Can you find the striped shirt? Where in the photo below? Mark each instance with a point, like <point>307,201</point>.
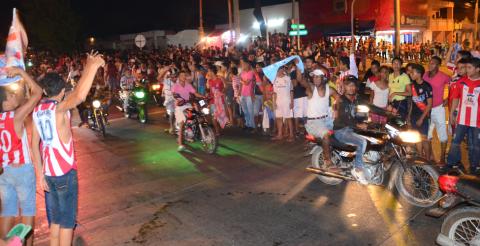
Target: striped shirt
<point>58,157</point>
<point>468,93</point>
<point>14,150</point>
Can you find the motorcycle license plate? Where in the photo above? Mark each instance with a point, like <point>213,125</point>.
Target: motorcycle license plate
<point>202,103</point>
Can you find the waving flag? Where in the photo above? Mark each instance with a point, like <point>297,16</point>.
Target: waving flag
<point>271,71</point>
<point>17,42</point>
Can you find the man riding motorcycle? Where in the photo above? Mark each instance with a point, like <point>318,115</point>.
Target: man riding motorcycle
<point>181,92</point>
<point>319,110</point>
<point>344,124</point>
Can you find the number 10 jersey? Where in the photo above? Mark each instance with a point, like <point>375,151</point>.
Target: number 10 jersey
<point>58,157</point>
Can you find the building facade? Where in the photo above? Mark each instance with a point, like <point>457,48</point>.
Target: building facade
<point>421,20</point>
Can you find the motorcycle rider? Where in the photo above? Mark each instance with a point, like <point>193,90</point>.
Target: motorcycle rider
<point>181,92</point>
<point>319,110</point>
<point>344,124</point>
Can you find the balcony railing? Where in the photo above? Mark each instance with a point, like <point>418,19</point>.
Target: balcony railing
<point>442,25</point>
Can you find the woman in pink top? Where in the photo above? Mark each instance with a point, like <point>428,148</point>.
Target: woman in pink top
<point>247,77</point>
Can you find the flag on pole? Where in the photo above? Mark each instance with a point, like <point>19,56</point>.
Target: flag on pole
<point>271,71</point>
<point>17,43</point>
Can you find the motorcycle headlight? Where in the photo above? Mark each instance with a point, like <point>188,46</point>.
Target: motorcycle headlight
<point>410,136</point>
<point>155,87</point>
<point>363,109</point>
<point>205,111</point>
<point>96,104</point>
<point>139,94</point>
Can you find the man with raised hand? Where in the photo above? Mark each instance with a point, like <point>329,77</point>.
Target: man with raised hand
<point>55,157</point>
<point>17,182</point>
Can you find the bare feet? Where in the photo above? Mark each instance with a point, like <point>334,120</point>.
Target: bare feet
<point>276,138</point>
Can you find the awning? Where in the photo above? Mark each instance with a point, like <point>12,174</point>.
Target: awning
<point>344,29</point>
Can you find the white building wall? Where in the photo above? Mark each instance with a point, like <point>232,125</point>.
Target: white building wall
<point>185,38</point>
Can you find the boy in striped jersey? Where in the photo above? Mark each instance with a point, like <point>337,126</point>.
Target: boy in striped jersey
<point>55,157</point>
<point>466,100</point>
<point>17,182</point>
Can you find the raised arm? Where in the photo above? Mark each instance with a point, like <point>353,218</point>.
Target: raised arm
<point>35,94</point>
<point>94,62</point>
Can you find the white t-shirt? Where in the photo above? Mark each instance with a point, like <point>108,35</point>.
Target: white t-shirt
<point>381,95</point>
<point>282,87</point>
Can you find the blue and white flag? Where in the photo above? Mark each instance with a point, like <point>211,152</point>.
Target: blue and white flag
<point>271,70</point>
<point>17,43</point>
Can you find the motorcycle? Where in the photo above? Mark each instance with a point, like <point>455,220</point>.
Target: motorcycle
<point>461,205</point>
<point>156,91</point>
<point>387,146</point>
<point>136,103</point>
<point>98,117</point>
<point>196,127</point>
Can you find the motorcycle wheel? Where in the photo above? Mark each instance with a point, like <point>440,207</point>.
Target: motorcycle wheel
<point>317,162</point>
<point>101,125</point>
<point>418,185</point>
<point>463,226</point>
<point>142,114</point>
<point>209,141</point>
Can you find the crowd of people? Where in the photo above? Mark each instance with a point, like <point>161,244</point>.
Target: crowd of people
<point>315,93</point>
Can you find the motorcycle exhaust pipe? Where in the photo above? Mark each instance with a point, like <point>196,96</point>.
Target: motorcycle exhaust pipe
<point>328,174</point>
<point>444,240</point>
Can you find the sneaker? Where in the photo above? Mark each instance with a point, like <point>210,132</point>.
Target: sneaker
<point>181,148</point>
<point>359,175</point>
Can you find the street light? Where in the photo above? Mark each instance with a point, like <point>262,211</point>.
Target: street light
<point>92,40</point>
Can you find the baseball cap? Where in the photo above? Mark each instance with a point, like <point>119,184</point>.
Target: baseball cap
<point>317,72</point>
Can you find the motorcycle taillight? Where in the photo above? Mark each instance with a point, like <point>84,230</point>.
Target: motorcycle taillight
<point>448,183</point>
<point>310,138</point>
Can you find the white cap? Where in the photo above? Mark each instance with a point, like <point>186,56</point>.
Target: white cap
<point>218,63</point>
<point>317,72</point>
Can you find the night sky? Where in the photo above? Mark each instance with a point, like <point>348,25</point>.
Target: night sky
<point>110,17</point>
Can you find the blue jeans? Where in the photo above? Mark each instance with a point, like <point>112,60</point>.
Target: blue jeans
<point>346,135</point>
<point>473,138</point>
<point>62,199</point>
<point>257,105</point>
<point>17,189</point>
<point>247,108</point>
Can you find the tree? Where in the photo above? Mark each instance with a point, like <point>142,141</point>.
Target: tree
<point>51,24</point>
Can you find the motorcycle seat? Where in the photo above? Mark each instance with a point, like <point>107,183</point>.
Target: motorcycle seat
<point>341,146</point>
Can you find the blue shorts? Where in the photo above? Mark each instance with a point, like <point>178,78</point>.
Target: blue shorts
<point>62,200</point>
<point>17,189</point>
<point>423,129</point>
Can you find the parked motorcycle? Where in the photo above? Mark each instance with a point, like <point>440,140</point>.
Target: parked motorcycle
<point>196,127</point>
<point>98,117</point>
<point>136,103</point>
<point>461,205</point>
<point>415,178</point>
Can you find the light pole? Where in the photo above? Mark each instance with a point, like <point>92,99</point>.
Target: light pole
<point>397,26</point>
<point>200,29</point>
<point>475,31</point>
<point>352,12</point>
<point>230,19</point>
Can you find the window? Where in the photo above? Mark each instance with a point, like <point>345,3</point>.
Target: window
<point>339,5</point>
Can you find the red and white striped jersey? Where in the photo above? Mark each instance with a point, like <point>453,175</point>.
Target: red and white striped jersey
<point>468,93</point>
<point>58,157</point>
<point>13,150</point>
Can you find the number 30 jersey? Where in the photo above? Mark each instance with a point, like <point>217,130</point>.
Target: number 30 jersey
<point>13,150</point>
<point>58,157</point>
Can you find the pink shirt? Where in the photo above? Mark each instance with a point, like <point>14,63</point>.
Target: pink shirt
<point>438,83</point>
<point>183,91</point>
<point>247,90</point>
